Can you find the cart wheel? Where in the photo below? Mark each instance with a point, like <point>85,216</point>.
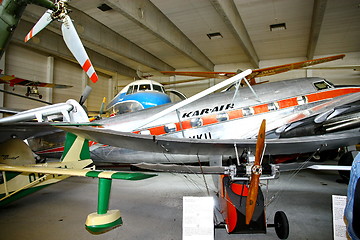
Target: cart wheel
<point>281,225</point>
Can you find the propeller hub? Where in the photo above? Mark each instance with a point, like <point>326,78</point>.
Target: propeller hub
<point>256,169</point>
<point>61,10</point>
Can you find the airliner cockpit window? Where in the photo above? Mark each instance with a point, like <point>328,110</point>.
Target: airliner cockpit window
<point>144,87</point>
<point>130,90</point>
<point>322,85</point>
<point>136,88</point>
<point>157,88</point>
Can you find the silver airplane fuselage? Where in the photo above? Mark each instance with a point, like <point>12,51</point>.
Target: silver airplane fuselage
<point>227,115</point>
<point>290,107</point>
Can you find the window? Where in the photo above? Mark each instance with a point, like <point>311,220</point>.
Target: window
<point>130,90</point>
<point>221,117</point>
<point>273,106</point>
<point>321,85</point>
<point>196,122</point>
<point>145,132</point>
<point>247,112</point>
<point>302,100</point>
<point>144,87</point>
<point>158,88</point>
<point>169,128</point>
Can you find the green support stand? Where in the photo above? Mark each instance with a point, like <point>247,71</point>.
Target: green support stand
<point>103,220</point>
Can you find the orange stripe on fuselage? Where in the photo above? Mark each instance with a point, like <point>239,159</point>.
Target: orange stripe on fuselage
<point>257,109</point>
<point>330,94</point>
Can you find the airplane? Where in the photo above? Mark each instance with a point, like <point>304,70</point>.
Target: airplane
<point>303,115</point>
<point>256,73</point>
<point>20,175</point>
<point>52,170</point>
<point>32,86</point>
<point>143,94</point>
<point>305,108</point>
<point>203,125</point>
<point>137,96</point>
<point>12,10</point>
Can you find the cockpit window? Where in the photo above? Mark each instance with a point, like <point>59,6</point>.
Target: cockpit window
<point>158,88</point>
<point>130,90</point>
<point>322,85</point>
<point>144,87</point>
<point>136,88</point>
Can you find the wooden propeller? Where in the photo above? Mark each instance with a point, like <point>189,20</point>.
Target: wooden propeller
<point>256,171</point>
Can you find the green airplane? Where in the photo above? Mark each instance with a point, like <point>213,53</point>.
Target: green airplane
<point>20,176</point>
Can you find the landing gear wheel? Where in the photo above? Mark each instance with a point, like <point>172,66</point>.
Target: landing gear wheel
<point>345,160</point>
<point>281,225</point>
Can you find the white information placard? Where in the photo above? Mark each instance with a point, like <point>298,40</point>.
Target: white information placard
<point>339,226</point>
<point>198,218</point>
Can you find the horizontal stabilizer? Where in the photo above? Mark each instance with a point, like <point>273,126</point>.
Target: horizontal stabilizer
<point>78,172</point>
<point>296,166</point>
<point>330,167</point>
<point>173,168</point>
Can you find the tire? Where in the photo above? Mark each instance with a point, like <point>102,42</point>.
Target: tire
<point>281,225</point>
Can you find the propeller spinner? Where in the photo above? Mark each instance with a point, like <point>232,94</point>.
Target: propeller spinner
<point>69,33</point>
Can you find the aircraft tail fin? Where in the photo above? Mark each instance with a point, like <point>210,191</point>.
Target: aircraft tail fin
<point>75,148</point>
<point>15,152</point>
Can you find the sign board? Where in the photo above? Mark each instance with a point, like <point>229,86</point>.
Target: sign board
<point>198,218</point>
<point>339,226</point>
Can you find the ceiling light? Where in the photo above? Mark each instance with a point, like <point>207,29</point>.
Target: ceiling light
<point>277,26</point>
<point>215,35</point>
<point>104,7</point>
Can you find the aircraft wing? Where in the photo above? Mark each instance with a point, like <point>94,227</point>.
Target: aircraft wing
<point>25,130</point>
<point>77,172</point>
<point>12,81</point>
<point>9,110</point>
<point>262,72</point>
<point>190,146</point>
<point>291,66</point>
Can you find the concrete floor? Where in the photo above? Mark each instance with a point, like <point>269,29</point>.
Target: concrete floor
<point>152,208</point>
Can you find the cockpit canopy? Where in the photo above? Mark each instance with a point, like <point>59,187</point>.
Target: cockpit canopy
<point>144,85</point>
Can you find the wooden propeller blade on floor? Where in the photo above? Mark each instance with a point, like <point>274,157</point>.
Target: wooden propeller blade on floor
<point>256,171</point>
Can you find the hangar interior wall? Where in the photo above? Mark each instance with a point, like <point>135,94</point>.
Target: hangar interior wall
<point>29,64</point>
<point>32,65</point>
